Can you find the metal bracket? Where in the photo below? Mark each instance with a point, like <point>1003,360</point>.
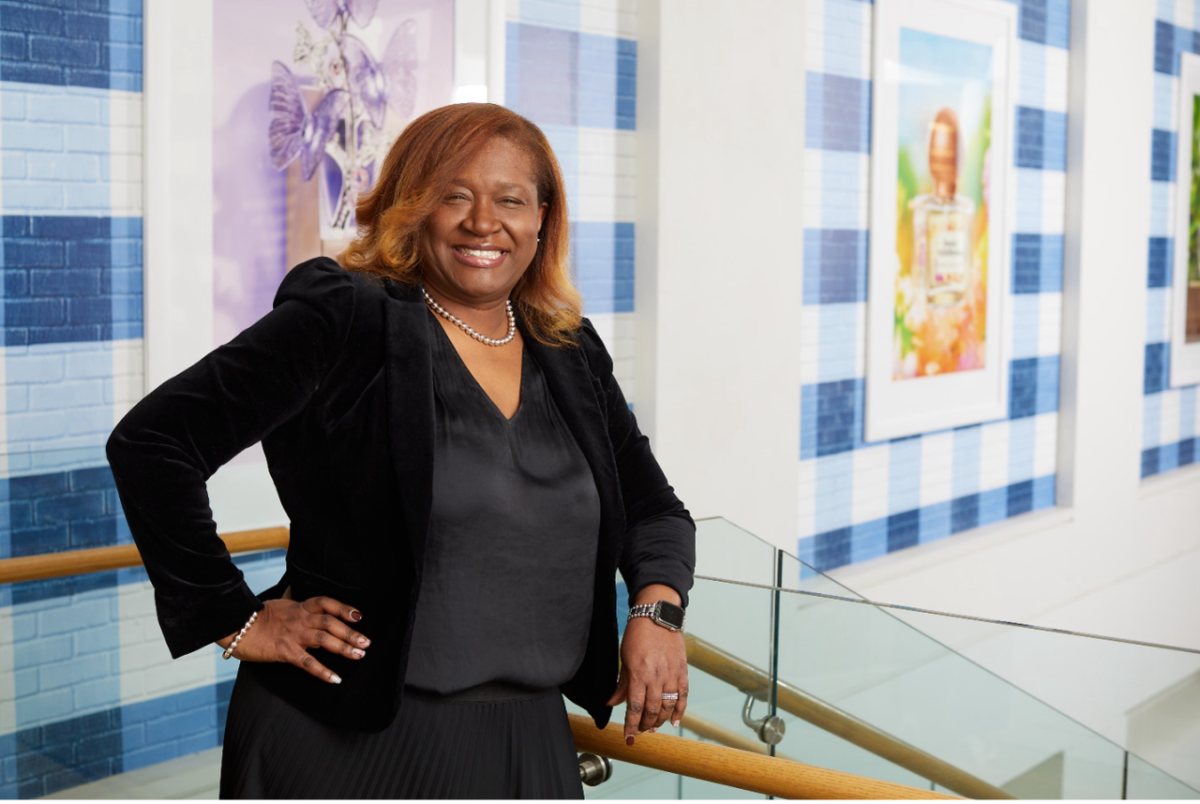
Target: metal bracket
<point>594,770</point>
<point>770,729</point>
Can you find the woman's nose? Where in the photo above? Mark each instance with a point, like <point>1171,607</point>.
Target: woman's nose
<point>482,218</point>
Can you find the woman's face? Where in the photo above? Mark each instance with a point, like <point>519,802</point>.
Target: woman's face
<point>484,233</point>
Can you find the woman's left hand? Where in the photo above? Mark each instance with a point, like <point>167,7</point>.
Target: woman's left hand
<point>653,662</point>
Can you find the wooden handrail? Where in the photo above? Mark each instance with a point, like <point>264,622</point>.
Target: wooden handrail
<point>729,766</point>
<point>750,679</point>
<point>701,654</point>
<point>719,734</point>
<point>100,559</point>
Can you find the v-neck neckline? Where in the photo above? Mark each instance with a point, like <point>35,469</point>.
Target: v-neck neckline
<point>448,343</point>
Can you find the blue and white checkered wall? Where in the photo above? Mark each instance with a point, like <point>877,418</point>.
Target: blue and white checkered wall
<point>1169,415</point>
<point>858,500</point>
<point>572,69</point>
<point>71,365</point>
<point>87,687</point>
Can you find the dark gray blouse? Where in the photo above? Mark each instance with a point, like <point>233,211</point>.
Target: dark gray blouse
<point>506,591</point>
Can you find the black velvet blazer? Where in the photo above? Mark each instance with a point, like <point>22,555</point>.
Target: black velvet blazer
<point>336,382</point>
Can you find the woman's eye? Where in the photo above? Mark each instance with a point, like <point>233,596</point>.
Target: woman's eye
<point>456,197</point>
<point>512,202</point>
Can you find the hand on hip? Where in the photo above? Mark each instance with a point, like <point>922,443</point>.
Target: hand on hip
<point>285,630</point>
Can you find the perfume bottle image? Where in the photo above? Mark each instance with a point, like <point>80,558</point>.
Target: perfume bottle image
<point>941,221</point>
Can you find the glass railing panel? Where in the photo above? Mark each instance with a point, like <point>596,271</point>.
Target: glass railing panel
<point>730,553</point>
<point>870,665</point>
<point>1144,698</point>
<point>1146,782</point>
<point>733,618</point>
<point>737,620</point>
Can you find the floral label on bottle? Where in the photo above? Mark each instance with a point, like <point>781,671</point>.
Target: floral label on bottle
<point>950,252</point>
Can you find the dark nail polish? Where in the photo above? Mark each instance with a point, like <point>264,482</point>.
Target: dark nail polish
<point>355,615</point>
<point>629,740</point>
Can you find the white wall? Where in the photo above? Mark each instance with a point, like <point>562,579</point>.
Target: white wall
<point>719,252</point>
<point>721,114</point>
<point>1077,567</point>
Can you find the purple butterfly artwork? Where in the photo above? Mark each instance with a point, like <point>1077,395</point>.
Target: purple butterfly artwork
<point>367,79</point>
<point>400,67</point>
<point>324,12</point>
<point>357,90</point>
<point>293,131</point>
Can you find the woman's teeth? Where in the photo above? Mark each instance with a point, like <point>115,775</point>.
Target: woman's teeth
<point>484,255</point>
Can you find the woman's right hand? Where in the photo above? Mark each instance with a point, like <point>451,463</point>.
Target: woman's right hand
<point>285,629</point>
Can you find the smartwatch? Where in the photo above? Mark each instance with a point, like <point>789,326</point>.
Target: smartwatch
<point>668,615</point>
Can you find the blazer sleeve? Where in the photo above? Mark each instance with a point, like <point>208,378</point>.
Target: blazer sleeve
<point>660,536</point>
<point>173,440</point>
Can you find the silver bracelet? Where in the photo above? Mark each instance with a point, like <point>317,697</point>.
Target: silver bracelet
<point>229,651</point>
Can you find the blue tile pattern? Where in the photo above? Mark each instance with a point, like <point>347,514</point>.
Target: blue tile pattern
<point>1037,263</point>
<point>838,113</point>
<point>1161,253</point>
<point>80,43</point>
<point>1041,139</point>
<point>835,266</point>
<point>69,279</point>
<point>1168,414</point>
<point>573,83</point>
<point>70,298</point>
<point>845,481</point>
<point>561,77</point>
<point>602,254</point>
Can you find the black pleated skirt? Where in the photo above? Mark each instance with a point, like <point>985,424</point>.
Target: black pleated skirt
<point>493,741</point>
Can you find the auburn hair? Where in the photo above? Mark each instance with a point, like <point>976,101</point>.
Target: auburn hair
<point>421,163</point>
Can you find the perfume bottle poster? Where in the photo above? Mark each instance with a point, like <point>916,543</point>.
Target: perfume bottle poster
<point>944,79</point>
<point>290,77</point>
<point>1191,289</point>
<point>1182,281</point>
<point>943,145</point>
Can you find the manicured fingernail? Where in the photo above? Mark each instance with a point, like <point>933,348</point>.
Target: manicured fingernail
<point>364,641</point>
<point>629,739</point>
<point>355,615</point>
<point>335,678</point>
<point>675,722</point>
<point>653,729</point>
<point>358,653</point>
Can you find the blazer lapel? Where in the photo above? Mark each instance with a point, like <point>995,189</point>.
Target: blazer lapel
<point>411,409</point>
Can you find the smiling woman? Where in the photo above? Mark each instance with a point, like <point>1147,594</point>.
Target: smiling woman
<point>426,167</point>
<point>463,478</point>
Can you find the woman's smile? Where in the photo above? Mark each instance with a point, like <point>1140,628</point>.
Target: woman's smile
<point>480,257</point>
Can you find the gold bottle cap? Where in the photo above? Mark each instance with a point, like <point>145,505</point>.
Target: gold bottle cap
<point>943,153</point>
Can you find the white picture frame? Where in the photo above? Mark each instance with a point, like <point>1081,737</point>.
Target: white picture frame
<point>1185,354</point>
<point>899,405</point>
<point>178,221</point>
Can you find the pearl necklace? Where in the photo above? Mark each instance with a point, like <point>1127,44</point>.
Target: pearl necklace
<point>465,327</point>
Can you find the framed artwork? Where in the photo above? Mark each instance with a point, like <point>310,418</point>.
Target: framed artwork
<point>1185,278</point>
<point>944,80</point>
<point>307,98</point>
<point>263,120</point>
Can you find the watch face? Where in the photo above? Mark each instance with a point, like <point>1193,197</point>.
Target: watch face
<point>670,614</point>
